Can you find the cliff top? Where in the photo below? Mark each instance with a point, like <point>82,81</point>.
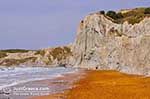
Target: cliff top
<point>132,16</point>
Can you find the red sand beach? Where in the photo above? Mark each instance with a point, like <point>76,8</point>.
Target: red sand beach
<point>106,85</point>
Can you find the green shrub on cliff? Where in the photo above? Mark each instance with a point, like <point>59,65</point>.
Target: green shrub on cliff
<point>112,14</point>
<point>15,51</point>
<point>102,12</point>
<point>131,16</point>
<point>147,11</point>
<point>119,15</point>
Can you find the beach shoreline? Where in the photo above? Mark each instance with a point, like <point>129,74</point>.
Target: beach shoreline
<point>54,81</point>
<point>104,85</point>
<point>67,80</point>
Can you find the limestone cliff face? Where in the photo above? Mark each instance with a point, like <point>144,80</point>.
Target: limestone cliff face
<point>45,57</point>
<point>104,44</point>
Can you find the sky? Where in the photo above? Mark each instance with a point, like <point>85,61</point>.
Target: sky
<point>35,24</point>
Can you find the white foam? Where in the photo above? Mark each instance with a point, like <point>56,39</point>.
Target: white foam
<point>29,80</point>
<point>17,76</point>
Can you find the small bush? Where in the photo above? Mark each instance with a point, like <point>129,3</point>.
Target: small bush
<point>119,15</point>
<point>112,14</point>
<point>147,11</point>
<point>102,12</point>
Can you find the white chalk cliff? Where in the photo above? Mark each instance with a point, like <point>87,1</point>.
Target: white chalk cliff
<point>103,44</point>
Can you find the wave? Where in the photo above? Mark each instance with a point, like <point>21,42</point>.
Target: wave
<point>15,76</point>
<point>25,81</point>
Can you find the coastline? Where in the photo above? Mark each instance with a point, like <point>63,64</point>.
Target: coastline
<point>61,85</point>
<point>53,81</point>
<point>106,84</point>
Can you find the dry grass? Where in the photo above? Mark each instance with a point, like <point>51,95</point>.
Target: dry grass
<point>60,53</point>
<point>111,85</point>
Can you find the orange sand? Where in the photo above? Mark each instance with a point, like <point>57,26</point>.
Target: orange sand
<point>111,85</point>
<point>107,85</point>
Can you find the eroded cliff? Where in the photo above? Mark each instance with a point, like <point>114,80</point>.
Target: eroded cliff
<point>44,57</point>
<point>104,44</point>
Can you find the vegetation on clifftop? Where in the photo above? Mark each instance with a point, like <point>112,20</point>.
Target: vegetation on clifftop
<point>131,16</point>
<point>147,11</point>
<point>14,51</point>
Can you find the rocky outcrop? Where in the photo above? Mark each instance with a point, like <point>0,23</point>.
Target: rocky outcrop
<point>103,44</point>
<point>45,57</point>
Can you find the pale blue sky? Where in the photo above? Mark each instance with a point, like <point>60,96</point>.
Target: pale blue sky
<point>34,24</point>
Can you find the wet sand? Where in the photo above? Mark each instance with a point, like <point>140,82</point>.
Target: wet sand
<point>53,88</point>
<point>61,85</point>
<point>106,85</point>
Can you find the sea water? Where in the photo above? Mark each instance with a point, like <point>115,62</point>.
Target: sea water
<point>17,75</point>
